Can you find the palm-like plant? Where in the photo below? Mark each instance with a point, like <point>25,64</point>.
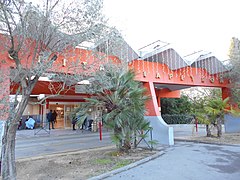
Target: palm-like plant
<point>210,110</point>
<point>216,108</point>
<point>200,113</point>
<point>124,100</point>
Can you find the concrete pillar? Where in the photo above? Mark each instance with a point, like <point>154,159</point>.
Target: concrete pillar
<point>231,123</point>
<point>161,131</point>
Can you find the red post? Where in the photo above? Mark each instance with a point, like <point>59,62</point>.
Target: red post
<point>100,130</point>
<point>47,104</point>
<point>196,121</point>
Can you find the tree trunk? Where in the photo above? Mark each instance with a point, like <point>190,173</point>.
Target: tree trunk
<point>127,142</point>
<point>8,142</point>
<point>8,152</point>
<point>126,146</point>
<point>219,127</point>
<point>135,139</point>
<point>209,134</point>
<point>118,141</point>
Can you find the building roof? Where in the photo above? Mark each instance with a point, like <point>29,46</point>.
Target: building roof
<point>161,52</point>
<point>117,47</point>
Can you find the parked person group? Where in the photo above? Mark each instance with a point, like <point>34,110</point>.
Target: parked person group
<point>86,125</point>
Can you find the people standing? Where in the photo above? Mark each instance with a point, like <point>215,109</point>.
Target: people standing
<point>74,121</point>
<point>20,123</point>
<point>50,119</point>
<point>54,116</point>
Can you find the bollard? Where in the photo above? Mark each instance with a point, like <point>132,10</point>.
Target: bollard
<point>100,130</point>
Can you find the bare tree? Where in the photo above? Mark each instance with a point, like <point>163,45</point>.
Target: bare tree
<point>234,54</point>
<point>33,36</point>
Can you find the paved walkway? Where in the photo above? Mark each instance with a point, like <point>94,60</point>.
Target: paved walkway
<point>189,161</point>
<point>180,131</point>
<point>58,141</point>
<point>23,134</point>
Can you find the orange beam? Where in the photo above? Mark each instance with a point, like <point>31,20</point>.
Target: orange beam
<point>160,73</point>
<point>166,93</point>
<point>152,104</point>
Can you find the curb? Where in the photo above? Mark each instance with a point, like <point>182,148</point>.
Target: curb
<point>204,142</point>
<point>125,168</point>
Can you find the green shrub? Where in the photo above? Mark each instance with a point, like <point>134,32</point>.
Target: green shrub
<point>177,118</point>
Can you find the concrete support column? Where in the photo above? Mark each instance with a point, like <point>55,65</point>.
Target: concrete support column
<point>151,105</point>
<point>161,131</point>
<point>158,101</point>
<point>231,123</point>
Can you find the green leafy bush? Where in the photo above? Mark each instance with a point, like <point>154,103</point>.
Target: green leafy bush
<point>177,118</point>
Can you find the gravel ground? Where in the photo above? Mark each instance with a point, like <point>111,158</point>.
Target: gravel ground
<point>77,165</point>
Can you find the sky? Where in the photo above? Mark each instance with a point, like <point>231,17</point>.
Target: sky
<point>189,25</point>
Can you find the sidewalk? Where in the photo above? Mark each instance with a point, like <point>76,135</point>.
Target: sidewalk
<point>180,130</point>
<point>32,133</point>
<point>58,141</point>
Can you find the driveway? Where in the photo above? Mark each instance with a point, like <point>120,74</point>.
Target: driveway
<point>189,161</point>
<point>58,141</point>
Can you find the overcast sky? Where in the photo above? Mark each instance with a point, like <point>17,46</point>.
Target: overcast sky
<point>190,25</point>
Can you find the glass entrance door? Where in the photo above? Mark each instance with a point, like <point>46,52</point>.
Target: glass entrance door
<point>59,124</point>
<point>63,111</point>
<point>68,110</point>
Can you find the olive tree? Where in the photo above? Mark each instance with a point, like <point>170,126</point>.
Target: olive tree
<point>33,36</point>
<point>234,55</point>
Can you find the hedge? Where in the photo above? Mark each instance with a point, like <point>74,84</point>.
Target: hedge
<point>177,118</point>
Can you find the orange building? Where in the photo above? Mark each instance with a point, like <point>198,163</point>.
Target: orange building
<point>158,66</point>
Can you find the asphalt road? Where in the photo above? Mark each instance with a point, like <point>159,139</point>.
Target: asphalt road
<point>65,140</point>
<point>32,146</point>
<point>189,161</point>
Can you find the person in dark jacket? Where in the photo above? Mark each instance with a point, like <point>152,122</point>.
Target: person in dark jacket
<point>50,119</point>
<point>74,121</point>
<point>54,116</point>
